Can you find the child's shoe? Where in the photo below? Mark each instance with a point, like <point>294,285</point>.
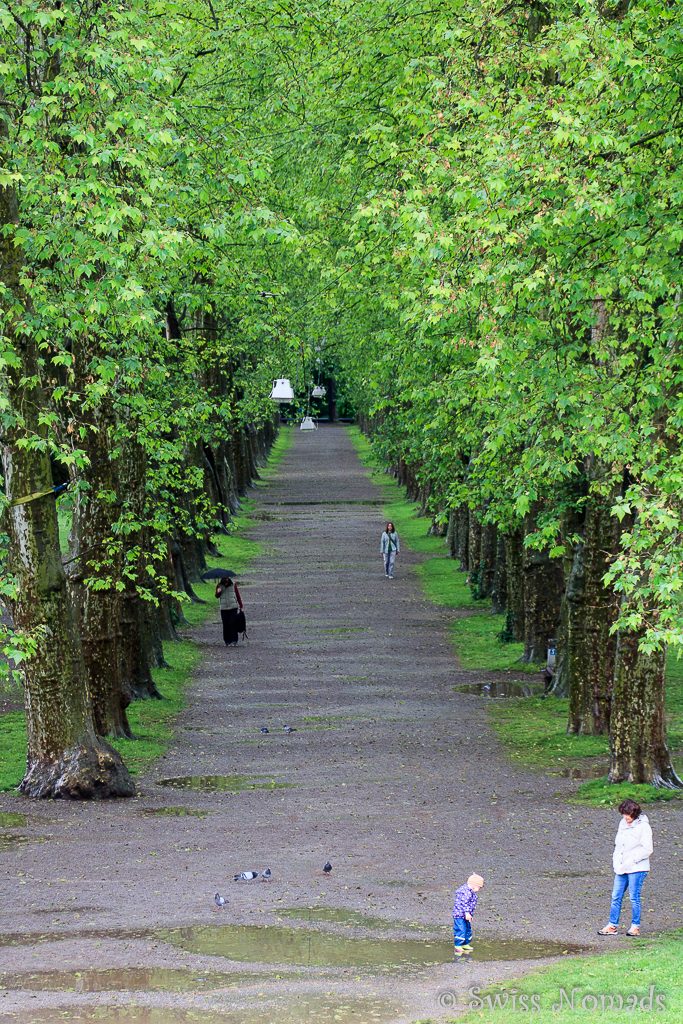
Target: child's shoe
<point>458,951</point>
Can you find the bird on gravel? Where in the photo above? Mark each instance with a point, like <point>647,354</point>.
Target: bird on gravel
<point>219,901</point>
<point>288,729</point>
<point>264,730</point>
<point>267,874</point>
<point>246,876</point>
<point>327,867</point>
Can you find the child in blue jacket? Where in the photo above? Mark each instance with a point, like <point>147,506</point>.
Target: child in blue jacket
<point>464,904</point>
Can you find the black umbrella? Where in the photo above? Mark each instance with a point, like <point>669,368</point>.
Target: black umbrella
<point>219,574</point>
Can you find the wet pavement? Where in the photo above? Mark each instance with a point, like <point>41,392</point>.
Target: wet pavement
<point>389,773</point>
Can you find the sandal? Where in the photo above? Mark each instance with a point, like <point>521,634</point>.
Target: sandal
<point>609,929</point>
<point>633,932</point>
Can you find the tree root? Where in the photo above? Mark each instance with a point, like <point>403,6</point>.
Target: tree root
<point>81,773</point>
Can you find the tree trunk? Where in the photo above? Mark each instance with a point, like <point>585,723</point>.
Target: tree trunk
<point>514,565</point>
<point>473,549</point>
<point>240,464</point>
<point>499,585</point>
<point>487,561</point>
<point>591,611</point>
<point>213,485</point>
<point>137,649</point>
<point>638,750</point>
<point>65,758</point>
<point>99,620</point>
<point>573,524</point>
<point>543,589</point>
<point>559,685</point>
<point>463,536</point>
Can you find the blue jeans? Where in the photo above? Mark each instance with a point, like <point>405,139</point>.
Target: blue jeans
<point>389,559</point>
<point>634,883</point>
<point>462,931</point>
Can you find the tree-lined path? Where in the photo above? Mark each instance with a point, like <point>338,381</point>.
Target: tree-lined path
<point>389,773</point>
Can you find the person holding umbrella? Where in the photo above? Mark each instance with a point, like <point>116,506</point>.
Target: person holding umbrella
<point>230,602</point>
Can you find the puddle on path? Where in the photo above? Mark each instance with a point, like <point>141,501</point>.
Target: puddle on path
<point>222,783</point>
<point>61,910</point>
<point>114,1015</point>
<point>174,812</point>
<point>587,771</point>
<point>338,915</point>
<point>345,629</point>
<point>340,501</point>
<point>10,819</point>
<point>11,840</point>
<point>300,1010</point>
<point>502,688</point>
<point>306,947</point>
<point>567,874</point>
<point>127,979</point>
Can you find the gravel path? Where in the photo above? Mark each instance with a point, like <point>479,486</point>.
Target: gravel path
<point>390,774</point>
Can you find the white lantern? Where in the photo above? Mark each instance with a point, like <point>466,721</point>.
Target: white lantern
<point>318,391</point>
<point>308,423</point>
<point>282,390</point>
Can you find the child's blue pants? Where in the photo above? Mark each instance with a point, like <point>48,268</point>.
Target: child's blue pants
<point>462,931</point>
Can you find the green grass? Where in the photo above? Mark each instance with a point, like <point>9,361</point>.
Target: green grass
<point>444,584</point>
<point>477,641</point>
<point>648,967</point>
<point>283,442</point>
<point>12,749</point>
<point>532,729</point>
<point>152,720</point>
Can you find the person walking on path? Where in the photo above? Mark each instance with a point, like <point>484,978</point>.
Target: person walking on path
<point>389,548</point>
<point>464,904</point>
<point>631,861</point>
<point>230,600</point>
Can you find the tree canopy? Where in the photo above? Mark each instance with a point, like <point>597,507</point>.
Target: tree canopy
<point>463,214</point>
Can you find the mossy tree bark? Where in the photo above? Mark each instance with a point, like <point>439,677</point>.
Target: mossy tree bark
<point>95,514</point>
<point>65,757</point>
<point>638,748</point>
<point>499,585</point>
<point>139,621</point>
<point>473,547</point>
<point>543,590</point>
<point>514,573</point>
<point>592,610</point>
<point>487,561</point>
<point>458,534</point>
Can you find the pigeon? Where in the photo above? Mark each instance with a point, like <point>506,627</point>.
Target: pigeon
<point>219,901</point>
<point>327,867</point>
<point>264,730</point>
<point>267,874</point>
<point>288,729</point>
<point>246,876</point>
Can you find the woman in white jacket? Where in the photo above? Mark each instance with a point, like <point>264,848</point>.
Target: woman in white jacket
<point>631,860</point>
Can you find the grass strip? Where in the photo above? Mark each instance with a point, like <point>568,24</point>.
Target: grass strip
<point>618,987</point>
<point>152,720</point>
<point>532,729</point>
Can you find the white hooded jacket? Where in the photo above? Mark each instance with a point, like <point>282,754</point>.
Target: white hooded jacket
<point>632,846</point>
